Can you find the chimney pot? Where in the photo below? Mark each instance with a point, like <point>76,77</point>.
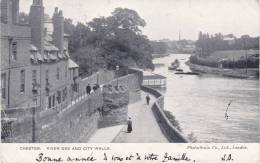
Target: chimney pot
<point>60,13</point>
<point>56,10</point>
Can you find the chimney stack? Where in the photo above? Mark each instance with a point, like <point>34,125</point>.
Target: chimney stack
<point>15,11</point>
<point>37,24</point>
<point>58,29</point>
<point>10,11</point>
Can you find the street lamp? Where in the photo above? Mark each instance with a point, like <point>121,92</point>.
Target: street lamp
<point>10,39</point>
<point>117,72</point>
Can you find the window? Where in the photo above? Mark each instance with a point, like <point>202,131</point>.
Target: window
<point>59,97</point>
<point>58,73</point>
<point>53,100</point>
<point>22,80</point>
<point>74,73</point>
<point>3,85</point>
<point>49,102</point>
<point>47,77</point>
<point>14,51</point>
<point>34,76</point>
<point>66,72</point>
<point>64,94</point>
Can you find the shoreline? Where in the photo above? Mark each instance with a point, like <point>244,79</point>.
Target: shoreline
<point>252,73</point>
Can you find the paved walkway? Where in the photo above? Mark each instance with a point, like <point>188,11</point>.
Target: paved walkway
<point>145,127</point>
<point>105,135</point>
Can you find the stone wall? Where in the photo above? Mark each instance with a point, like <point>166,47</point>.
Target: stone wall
<point>116,100</point>
<point>114,110</point>
<point>74,124</point>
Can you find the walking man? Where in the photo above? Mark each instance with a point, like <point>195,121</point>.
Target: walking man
<point>147,99</point>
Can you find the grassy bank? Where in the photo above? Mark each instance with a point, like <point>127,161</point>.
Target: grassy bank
<point>236,73</point>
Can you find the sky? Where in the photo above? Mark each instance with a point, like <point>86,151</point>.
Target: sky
<point>165,19</point>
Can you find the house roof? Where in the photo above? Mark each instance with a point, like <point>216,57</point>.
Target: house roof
<point>72,64</point>
<point>50,47</point>
<point>33,48</point>
<point>150,75</point>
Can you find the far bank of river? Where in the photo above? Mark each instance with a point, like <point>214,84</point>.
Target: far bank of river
<point>251,73</point>
<point>199,104</point>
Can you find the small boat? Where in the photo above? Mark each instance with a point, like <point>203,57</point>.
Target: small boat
<point>174,65</point>
<point>187,73</point>
<point>179,70</point>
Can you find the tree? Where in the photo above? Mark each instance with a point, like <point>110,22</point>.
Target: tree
<point>116,39</point>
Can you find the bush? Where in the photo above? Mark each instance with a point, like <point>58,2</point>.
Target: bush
<point>192,138</point>
<point>173,120</point>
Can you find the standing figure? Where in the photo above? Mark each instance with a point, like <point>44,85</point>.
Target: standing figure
<point>147,99</point>
<point>88,89</point>
<point>129,125</point>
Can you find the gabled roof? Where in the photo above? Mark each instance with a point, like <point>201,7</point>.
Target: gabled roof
<point>72,64</point>
<point>150,75</point>
<point>50,47</point>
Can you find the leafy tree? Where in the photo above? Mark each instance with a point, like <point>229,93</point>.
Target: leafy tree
<point>116,39</point>
<point>206,45</point>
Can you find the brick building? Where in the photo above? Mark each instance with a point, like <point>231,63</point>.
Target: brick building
<point>36,68</point>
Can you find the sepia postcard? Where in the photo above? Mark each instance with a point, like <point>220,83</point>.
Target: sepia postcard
<point>130,81</point>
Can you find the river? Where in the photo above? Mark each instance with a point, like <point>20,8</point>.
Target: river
<point>199,104</point>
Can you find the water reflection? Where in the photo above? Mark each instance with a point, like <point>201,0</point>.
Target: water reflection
<point>199,103</point>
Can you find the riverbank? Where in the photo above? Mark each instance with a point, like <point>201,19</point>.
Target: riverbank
<point>160,55</point>
<point>250,73</point>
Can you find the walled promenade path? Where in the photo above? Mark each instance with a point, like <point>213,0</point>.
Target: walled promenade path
<point>145,127</point>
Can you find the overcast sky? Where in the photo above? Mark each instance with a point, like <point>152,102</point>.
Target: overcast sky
<point>165,18</point>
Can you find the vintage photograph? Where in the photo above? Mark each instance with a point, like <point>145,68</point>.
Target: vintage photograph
<point>130,71</point>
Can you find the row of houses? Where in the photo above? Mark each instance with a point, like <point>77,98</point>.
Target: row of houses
<point>36,69</point>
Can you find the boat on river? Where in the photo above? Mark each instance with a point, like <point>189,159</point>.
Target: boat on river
<point>187,73</point>
<point>179,70</point>
<point>174,65</point>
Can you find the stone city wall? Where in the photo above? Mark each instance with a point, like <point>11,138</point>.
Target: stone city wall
<point>67,125</point>
<point>115,109</point>
<point>74,124</point>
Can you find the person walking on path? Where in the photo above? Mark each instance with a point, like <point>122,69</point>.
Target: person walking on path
<point>88,89</point>
<point>129,125</point>
<point>147,99</point>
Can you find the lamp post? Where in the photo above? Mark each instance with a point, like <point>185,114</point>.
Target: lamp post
<point>117,72</point>
<point>10,39</point>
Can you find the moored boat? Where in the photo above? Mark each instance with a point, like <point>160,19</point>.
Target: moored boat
<point>174,65</point>
<point>187,73</point>
<point>179,70</point>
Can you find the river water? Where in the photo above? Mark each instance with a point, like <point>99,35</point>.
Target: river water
<point>199,104</point>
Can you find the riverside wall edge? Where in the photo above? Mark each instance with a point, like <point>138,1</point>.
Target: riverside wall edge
<point>172,134</point>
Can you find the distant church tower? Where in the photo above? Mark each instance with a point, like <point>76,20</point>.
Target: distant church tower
<point>179,35</point>
<point>37,24</point>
